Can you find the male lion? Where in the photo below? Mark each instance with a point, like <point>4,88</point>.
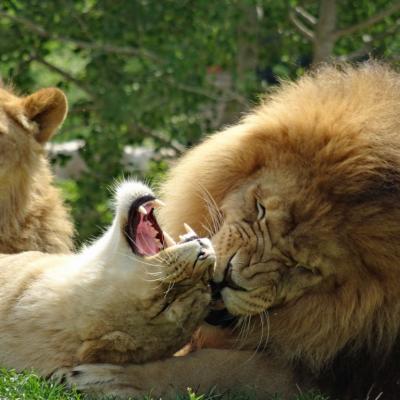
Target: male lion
<point>131,296</point>
<point>32,215</point>
<point>304,196</point>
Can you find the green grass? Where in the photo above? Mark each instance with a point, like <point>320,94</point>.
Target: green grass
<point>28,386</point>
<point>18,386</point>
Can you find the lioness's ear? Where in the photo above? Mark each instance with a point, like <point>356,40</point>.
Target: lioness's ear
<point>48,108</point>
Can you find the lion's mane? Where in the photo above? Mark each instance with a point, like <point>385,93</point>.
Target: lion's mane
<point>336,131</point>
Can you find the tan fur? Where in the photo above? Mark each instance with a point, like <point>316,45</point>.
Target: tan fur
<point>32,215</point>
<point>322,157</point>
<point>104,304</point>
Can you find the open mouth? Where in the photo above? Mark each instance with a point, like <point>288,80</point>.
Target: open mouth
<point>218,314</point>
<point>144,235</point>
<point>142,231</point>
<point>221,318</point>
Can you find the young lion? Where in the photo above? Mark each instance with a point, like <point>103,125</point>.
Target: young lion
<point>32,216</point>
<point>134,295</point>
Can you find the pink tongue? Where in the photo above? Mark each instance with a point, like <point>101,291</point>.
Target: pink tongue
<point>145,238</point>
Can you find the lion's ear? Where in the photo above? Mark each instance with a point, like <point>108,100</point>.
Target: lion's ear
<point>48,108</point>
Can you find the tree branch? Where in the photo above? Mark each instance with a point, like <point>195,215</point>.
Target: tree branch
<point>66,75</point>
<point>80,44</point>
<point>231,95</point>
<point>368,22</point>
<point>191,89</point>
<point>306,15</point>
<point>173,144</point>
<point>363,51</point>
<point>369,47</point>
<point>306,32</point>
<point>106,48</point>
<point>161,137</point>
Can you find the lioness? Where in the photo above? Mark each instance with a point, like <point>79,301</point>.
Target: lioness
<point>304,197</point>
<point>32,214</point>
<point>134,295</point>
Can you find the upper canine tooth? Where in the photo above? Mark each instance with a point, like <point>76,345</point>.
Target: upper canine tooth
<point>142,210</point>
<point>168,240</point>
<point>158,203</point>
<point>189,230</point>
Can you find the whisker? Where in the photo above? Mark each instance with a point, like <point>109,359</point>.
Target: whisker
<point>215,214</point>
<point>261,316</point>
<point>157,273</point>
<point>170,287</point>
<point>266,316</point>
<point>244,332</point>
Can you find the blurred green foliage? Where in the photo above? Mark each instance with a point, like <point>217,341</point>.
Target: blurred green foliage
<point>163,73</point>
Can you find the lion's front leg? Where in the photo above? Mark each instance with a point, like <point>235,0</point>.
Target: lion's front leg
<point>203,370</point>
<point>101,379</point>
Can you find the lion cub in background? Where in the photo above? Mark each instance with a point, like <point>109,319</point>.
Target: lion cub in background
<point>134,295</point>
<point>32,215</point>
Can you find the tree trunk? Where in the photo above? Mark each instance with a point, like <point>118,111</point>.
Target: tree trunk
<point>247,41</point>
<point>325,38</point>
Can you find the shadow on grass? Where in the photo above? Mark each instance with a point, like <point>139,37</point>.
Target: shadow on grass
<point>21,386</point>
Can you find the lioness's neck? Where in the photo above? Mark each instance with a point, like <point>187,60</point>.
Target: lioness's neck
<point>110,252</point>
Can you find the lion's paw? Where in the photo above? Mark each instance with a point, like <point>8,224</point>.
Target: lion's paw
<point>104,379</point>
<point>59,376</point>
